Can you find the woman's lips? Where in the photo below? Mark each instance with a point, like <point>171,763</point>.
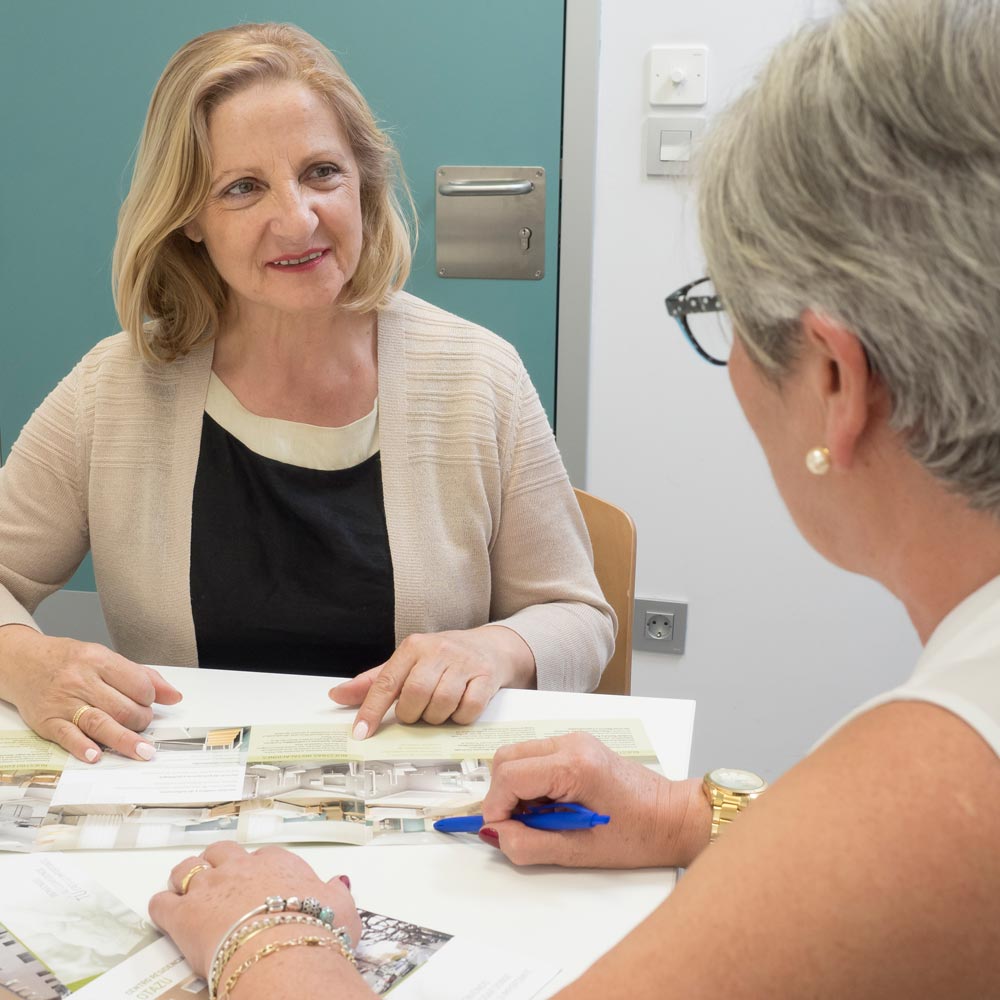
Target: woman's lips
<point>305,262</point>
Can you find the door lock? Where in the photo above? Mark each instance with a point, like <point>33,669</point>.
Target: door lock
<point>525,235</point>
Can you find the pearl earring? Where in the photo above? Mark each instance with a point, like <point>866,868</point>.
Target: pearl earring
<point>818,461</point>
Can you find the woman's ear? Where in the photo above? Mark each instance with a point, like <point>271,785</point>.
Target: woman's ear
<point>193,232</point>
<point>844,384</point>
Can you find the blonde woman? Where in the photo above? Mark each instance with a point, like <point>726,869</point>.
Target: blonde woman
<point>850,209</point>
<point>285,462</point>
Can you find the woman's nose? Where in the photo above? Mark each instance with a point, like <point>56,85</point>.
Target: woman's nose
<point>294,216</point>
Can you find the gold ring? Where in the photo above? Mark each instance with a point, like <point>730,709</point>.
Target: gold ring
<point>186,881</point>
<point>78,714</point>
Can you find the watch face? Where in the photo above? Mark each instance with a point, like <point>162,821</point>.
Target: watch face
<point>735,780</point>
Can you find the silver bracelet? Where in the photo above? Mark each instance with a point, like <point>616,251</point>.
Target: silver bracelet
<point>272,904</point>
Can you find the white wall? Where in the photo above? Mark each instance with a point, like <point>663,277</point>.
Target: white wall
<point>779,643</point>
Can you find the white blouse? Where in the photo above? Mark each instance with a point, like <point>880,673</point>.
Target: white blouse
<point>304,445</point>
<point>959,668</point>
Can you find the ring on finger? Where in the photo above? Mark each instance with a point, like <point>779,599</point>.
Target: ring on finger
<point>186,881</point>
<point>79,714</point>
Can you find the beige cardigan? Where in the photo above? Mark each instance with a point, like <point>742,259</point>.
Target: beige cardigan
<point>482,521</point>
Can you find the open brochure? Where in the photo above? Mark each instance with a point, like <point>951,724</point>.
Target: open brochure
<point>265,784</point>
<point>62,934</point>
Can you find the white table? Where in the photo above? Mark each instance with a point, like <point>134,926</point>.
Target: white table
<point>567,917</point>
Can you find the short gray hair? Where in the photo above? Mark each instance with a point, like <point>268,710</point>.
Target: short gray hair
<point>860,177</point>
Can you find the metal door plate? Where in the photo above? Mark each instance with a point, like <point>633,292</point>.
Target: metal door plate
<point>490,222</point>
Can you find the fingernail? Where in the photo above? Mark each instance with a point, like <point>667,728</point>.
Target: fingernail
<point>360,731</point>
<point>92,754</point>
<point>345,880</point>
<point>489,836</point>
<point>145,750</point>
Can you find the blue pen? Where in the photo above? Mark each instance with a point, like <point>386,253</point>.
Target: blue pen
<point>550,816</point>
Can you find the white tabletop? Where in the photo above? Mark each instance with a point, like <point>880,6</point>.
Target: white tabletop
<point>569,917</point>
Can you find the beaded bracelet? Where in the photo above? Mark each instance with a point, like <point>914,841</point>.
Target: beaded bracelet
<point>272,904</point>
<point>340,940</point>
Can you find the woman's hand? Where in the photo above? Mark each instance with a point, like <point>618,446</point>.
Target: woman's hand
<point>654,822</point>
<point>234,883</point>
<point>50,680</point>
<point>437,677</point>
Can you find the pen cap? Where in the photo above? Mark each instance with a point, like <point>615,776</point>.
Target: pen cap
<point>561,816</point>
<point>459,824</point>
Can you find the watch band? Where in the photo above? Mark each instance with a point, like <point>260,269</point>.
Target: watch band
<point>725,808</point>
<point>729,792</point>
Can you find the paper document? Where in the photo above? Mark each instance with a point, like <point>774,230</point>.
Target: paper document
<point>66,935</point>
<point>266,784</point>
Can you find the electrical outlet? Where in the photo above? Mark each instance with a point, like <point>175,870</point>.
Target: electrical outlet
<point>659,626</point>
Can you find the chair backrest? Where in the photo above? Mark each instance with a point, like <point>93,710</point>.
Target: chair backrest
<point>612,536</point>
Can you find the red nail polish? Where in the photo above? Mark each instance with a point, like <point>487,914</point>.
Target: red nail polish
<point>489,836</point>
<point>345,880</point>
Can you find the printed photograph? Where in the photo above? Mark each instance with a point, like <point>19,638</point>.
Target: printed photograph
<point>22,975</point>
<point>198,739</point>
<point>352,802</point>
<point>384,797</point>
<point>408,796</point>
<point>391,949</point>
<point>61,930</point>
<point>107,827</point>
<point>25,796</point>
<point>191,989</point>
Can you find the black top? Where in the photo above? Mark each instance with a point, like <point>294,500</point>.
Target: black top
<point>290,567</point>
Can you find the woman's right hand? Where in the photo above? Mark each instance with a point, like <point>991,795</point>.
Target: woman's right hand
<point>654,822</point>
<point>50,679</point>
<point>207,892</point>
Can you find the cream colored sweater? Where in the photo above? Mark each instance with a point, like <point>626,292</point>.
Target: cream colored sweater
<point>482,521</point>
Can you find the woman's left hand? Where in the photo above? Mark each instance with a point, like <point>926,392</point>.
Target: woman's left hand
<point>441,676</point>
<point>232,884</point>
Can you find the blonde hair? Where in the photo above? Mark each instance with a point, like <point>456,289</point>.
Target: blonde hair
<point>860,177</point>
<point>167,292</point>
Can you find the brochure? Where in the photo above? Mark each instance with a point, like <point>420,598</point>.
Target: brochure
<point>265,784</point>
<point>61,934</point>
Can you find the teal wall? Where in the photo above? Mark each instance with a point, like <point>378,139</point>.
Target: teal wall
<point>457,82</point>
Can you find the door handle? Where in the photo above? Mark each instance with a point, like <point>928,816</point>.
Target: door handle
<point>489,221</point>
<point>452,189</point>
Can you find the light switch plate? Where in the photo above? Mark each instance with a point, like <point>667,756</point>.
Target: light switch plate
<point>678,74</point>
<point>663,133</point>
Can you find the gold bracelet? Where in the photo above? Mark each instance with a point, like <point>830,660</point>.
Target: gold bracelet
<point>340,940</point>
<point>271,905</point>
<point>238,938</point>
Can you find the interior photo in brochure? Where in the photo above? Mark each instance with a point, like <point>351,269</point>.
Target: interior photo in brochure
<point>265,784</point>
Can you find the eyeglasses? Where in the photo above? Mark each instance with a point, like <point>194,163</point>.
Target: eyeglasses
<point>704,320</point>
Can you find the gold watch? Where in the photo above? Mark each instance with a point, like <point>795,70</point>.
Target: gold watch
<point>729,791</point>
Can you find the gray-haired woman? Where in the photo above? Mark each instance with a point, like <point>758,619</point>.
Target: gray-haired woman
<point>850,207</point>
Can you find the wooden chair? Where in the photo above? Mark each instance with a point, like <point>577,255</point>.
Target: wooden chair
<point>612,536</point>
